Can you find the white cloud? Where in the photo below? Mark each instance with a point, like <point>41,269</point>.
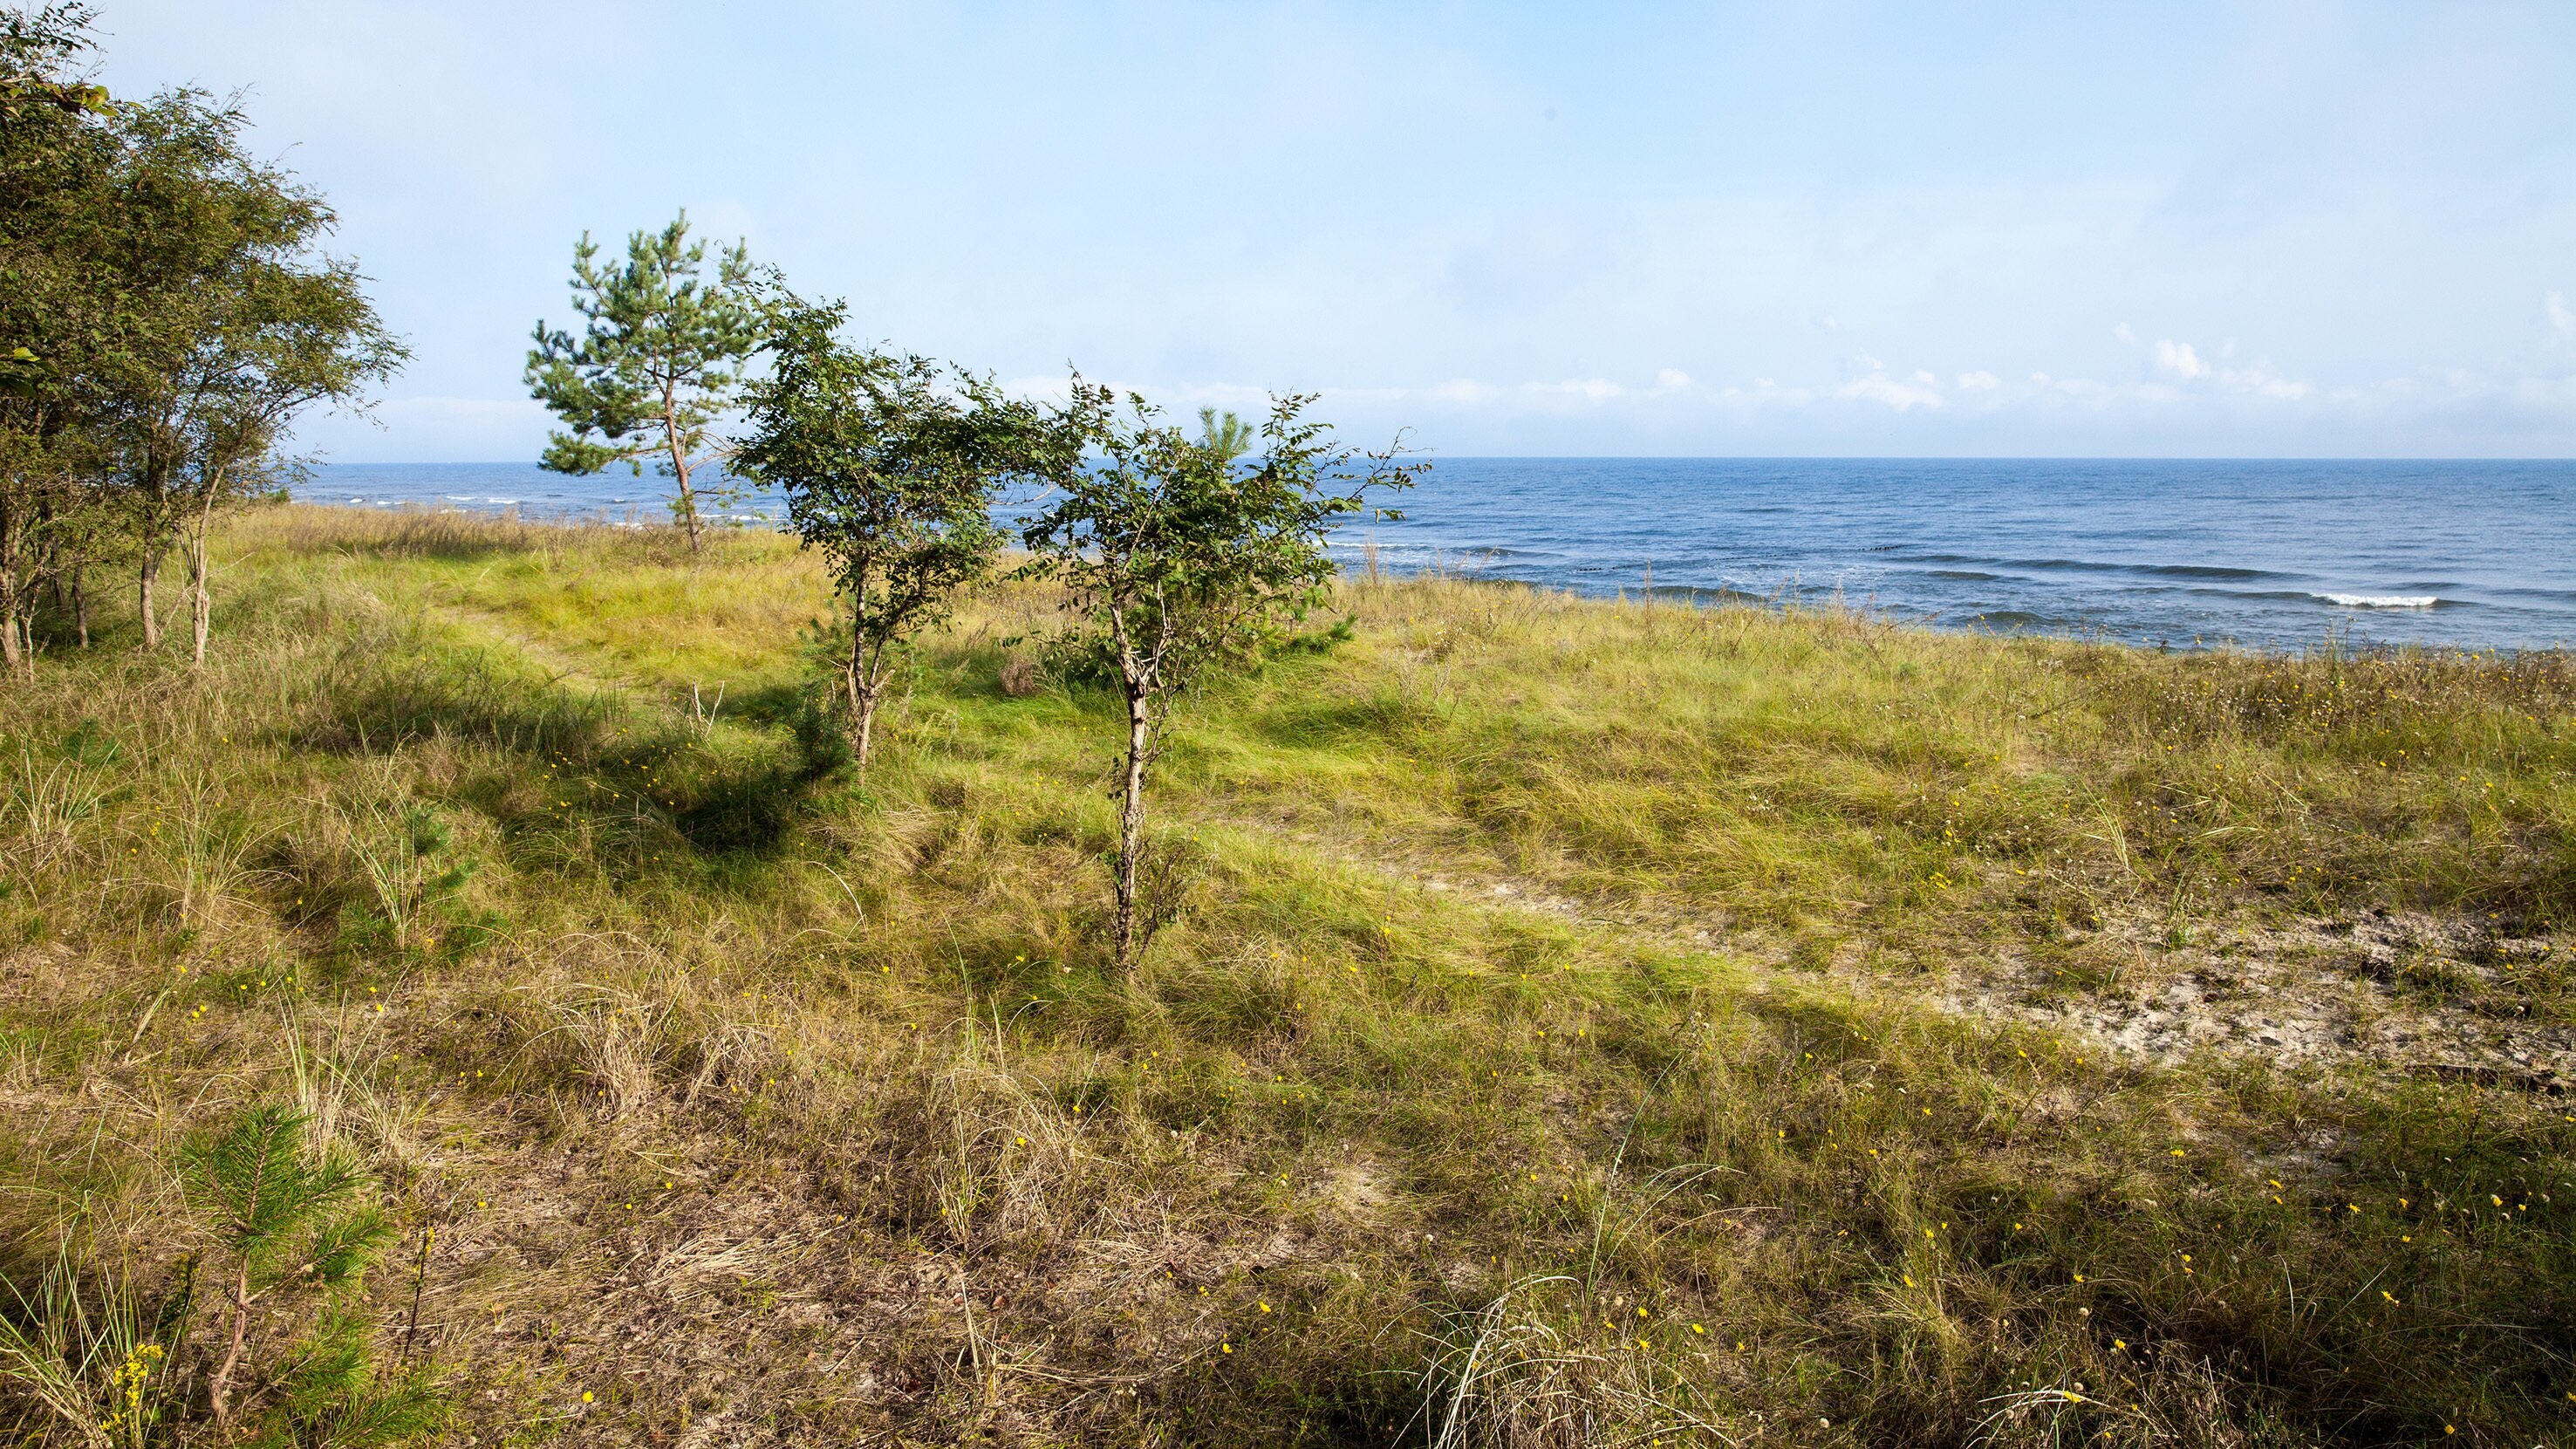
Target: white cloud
<point>2262,382</point>
<point>2179,359</point>
<point>1878,387</point>
<point>2561,319</point>
<point>1671,379</point>
<point>1591,389</point>
<point>2123,333</point>
<point>1979,381</point>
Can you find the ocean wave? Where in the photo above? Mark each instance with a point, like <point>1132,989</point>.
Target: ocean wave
<point>2380,601</point>
<point>2210,572</point>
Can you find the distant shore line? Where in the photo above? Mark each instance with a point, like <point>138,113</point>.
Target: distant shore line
<point>2015,625</point>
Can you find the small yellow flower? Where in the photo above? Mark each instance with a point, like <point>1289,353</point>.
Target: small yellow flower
<point>585,1396</point>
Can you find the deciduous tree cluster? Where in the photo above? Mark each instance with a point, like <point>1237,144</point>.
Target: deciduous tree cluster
<point>167,311</point>
<point>1182,554</point>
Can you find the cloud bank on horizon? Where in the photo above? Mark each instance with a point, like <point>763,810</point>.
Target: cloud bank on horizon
<point>2152,229</point>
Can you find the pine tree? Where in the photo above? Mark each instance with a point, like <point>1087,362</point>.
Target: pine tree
<point>661,351</point>
<point>286,1221</point>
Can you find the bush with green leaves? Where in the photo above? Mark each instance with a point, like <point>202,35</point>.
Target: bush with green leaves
<point>1184,558</point>
<point>889,465</point>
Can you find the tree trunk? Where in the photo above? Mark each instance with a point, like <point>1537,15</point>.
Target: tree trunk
<point>80,602</point>
<point>1131,823</point>
<point>680,468</point>
<point>12,650</point>
<point>867,684</point>
<point>201,602</point>
<point>219,1389</point>
<point>201,605</point>
<point>145,577</point>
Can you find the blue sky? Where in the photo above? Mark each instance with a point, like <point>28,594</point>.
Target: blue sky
<point>1814,228</point>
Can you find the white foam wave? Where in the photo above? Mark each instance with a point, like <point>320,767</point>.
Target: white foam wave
<point>2382,601</point>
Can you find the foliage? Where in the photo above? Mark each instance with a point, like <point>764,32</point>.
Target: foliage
<point>1181,560</point>
<point>662,348</point>
<point>169,314</point>
<point>285,1239</point>
<point>1224,435</point>
<point>36,49</point>
<point>886,474</point>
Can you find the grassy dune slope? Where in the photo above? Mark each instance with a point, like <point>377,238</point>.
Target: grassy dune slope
<point>1580,1023</point>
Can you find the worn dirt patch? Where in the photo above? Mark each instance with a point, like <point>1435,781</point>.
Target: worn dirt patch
<point>2445,997</point>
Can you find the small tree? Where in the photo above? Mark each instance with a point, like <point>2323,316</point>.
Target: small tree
<point>1184,560</point>
<point>224,321</point>
<point>886,473</point>
<point>56,145</point>
<point>282,338</point>
<point>287,1222</point>
<point>660,354</point>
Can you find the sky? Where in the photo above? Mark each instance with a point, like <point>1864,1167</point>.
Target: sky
<point>1818,228</point>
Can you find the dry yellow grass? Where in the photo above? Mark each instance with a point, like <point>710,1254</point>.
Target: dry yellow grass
<point>1551,1046</point>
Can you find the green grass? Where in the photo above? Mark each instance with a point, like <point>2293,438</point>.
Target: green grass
<point>1546,1049</point>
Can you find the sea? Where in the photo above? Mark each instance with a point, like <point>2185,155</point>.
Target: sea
<point>2268,554</point>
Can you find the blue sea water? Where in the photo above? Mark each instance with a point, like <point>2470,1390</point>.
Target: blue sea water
<point>2271,554</point>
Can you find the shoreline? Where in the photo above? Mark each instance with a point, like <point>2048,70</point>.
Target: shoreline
<point>1648,595</point>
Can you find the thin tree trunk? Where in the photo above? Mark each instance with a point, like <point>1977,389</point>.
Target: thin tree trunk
<point>219,1388</point>
<point>148,574</point>
<point>201,605</point>
<point>1131,823</point>
<point>201,602</point>
<point>80,601</point>
<point>866,684</point>
<point>680,467</point>
<point>12,652</point>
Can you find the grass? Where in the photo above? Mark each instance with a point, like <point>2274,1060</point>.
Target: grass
<point>1559,1039</point>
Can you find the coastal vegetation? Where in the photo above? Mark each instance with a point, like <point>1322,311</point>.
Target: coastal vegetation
<point>694,985</point>
<point>167,315</point>
<point>663,348</point>
<point>1575,1021</point>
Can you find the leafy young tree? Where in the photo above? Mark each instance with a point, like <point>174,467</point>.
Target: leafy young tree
<point>1185,560</point>
<point>280,338</point>
<point>662,349</point>
<point>231,322</point>
<point>887,473</point>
